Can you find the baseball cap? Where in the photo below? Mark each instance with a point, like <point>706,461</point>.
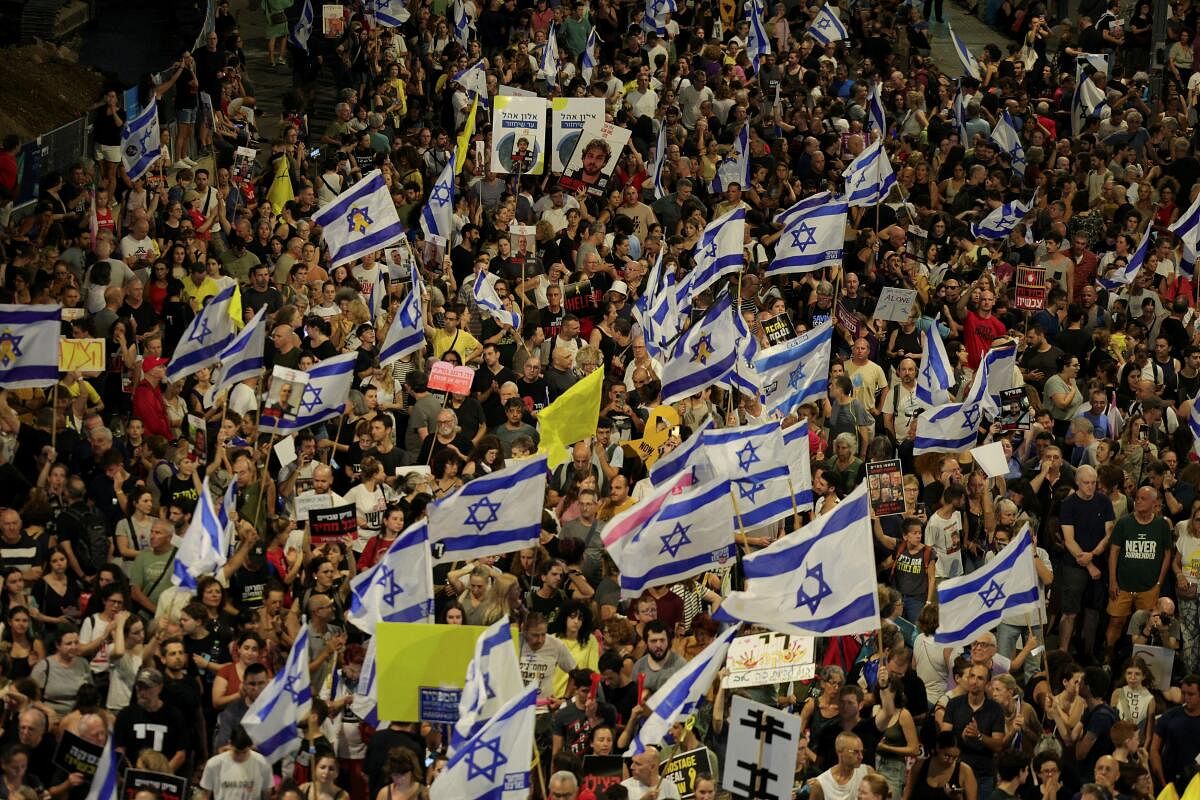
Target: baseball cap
<point>150,362</point>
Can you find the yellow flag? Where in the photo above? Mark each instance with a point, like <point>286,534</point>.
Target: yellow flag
<point>281,186</point>
<point>464,138</point>
<point>1192,791</point>
<point>235,309</point>
<point>571,418</point>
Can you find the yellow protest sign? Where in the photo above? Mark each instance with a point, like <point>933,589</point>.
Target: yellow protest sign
<point>411,656</point>
<point>655,434</point>
<point>81,355</point>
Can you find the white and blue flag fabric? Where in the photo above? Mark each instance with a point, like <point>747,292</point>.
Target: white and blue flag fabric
<point>720,250</point>
<point>972,604</point>
<point>1001,221</point>
<point>1005,135</point>
<point>360,220</point>
<point>242,358</point>
<point>141,143</point>
<point>707,353</point>
<point>273,720</point>
<point>323,398</point>
<point>935,374</point>
<point>437,217</point>
<point>869,177</point>
<point>490,515</point>
<point>827,27</point>
<point>970,65</point>
<point>205,544</point>
<point>493,679</point>
<point>406,334</point>
<point>29,345</point>
<point>205,338</point>
<point>1187,228</point>
<point>1137,260</point>
<point>494,763</point>
<point>302,31</point>
<point>398,587</point>
<point>794,372</point>
<point>812,238</point>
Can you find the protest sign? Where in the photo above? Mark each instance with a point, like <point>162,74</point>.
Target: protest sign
<point>1015,413</point>
<point>685,768</point>
<point>760,758</point>
<point>885,487</point>
<point>763,658</point>
<point>81,355</point>
<point>164,784</point>
<point>518,131</point>
<point>332,524</point>
<point>895,304</point>
<point>601,772</point>
<point>779,328</point>
<point>447,377</point>
<point>77,755</point>
<point>1030,292</point>
<point>568,116</point>
<point>597,152</point>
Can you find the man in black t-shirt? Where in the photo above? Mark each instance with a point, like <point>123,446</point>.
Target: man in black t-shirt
<point>978,722</point>
<point>149,724</point>
<point>1087,523</point>
<point>182,689</point>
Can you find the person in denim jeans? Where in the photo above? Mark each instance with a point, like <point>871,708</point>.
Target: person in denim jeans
<point>1024,625</point>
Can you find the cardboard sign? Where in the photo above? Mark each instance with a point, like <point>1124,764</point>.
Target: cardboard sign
<point>760,758</point>
<point>1030,291</point>
<point>895,304</point>
<point>763,658</point>
<point>77,755</point>
<point>332,524</point>
<point>81,355</point>
<point>601,772</point>
<point>685,769</point>
<point>779,328</point>
<point>438,705</point>
<point>310,502</point>
<point>447,377</point>
<point>885,486</point>
<point>168,786</point>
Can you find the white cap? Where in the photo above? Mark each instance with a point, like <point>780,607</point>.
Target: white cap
<point>620,287</point>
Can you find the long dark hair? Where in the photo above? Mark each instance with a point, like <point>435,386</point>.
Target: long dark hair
<point>586,620</point>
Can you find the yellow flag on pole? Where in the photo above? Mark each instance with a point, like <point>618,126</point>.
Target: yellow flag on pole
<point>281,185</point>
<point>571,418</point>
<point>464,138</point>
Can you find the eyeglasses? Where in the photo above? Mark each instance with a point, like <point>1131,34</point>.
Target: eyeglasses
<point>982,644</point>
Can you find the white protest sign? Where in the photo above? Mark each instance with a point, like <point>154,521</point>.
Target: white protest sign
<point>760,759</point>
<point>772,657</point>
<point>991,458</point>
<point>895,304</point>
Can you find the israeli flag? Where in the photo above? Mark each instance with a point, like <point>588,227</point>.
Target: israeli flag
<point>935,375</point>
<point>785,217</point>
<point>997,372</point>
<point>691,533</point>
<point>795,443</point>
<point>377,301</point>
<point>364,703</point>
<point>487,298</point>
<point>549,62</point>
<point>464,26</point>
<point>491,515</point>
<point>753,458</point>
<point>1193,422</point>
<point>875,115</point>
<point>108,774</point>
<point>705,354</point>
<point>972,604</point>
<point>758,44</point>
<point>948,428</point>
<point>29,345</point>
<point>1006,138</point>
<point>1187,228</point>
<point>303,30</point>
<point>682,459</point>
<point>720,249</point>
<point>399,587</point>
<point>323,398</point>
<point>407,332</point>
<point>589,62</point>
<point>140,142</point>
<point>654,18</point>
<point>657,312</point>
<point>736,166</point>
<point>958,110</point>
<point>805,584</point>
<point>437,218</point>
<point>1088,102</point>
<point>869,178</point>
<point>811,239</point>
<point>273,719</point>
<point>205,338</point>
<point>969,64</point>
<point>660,160</point>
<point>360,220</point>
<point>493,679</point>
<point>793,372</point>
<point>826,28</point>
<point>204,546</point>
<point>473,79</point>
<point>242,357</point>
<point>494,763</point>
<point>390,13</point>
<point>1002,220</point>
<point>681,694</point>
<point>1136,261</point>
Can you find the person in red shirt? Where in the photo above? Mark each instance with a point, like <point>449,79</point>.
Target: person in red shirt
<point>982,328</point>
<point>148,403</point>
<point>9,177</point>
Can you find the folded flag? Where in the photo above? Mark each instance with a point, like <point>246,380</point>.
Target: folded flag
<point>1002,220</point>
<point>758,44</point>
<point>242,358</point>
<point>735,168</point>
<point>491,515</point>
<point>302,31</point>
<point>875,116</point>
<point>972,604</point>
<point>969,65</point>
<point>29,345</point>
<point>805,584</point>
<point>1187,228</point>
<point>437,217</point>
<point>1006,137</point>
<point>1136,261</point>
<point>795,443</point>
<point>360,220</point>
<point>660,160</point>
<point>107,779</point>
<point>205,338</point>
<point>205,544</point>
<point>487,298</point>
<point>589,62</point>
<point>720,250</point>
<point>473,79</point>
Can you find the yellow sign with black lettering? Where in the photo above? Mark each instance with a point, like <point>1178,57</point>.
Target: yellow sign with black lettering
<point>686,768</point>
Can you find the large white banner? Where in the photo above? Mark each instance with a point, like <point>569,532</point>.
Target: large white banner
<point>518,135</point>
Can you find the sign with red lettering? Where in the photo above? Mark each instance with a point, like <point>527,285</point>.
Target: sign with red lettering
<point>447,377</point>
<point>1030,292</point>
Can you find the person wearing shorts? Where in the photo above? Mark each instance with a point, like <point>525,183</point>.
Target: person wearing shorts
<point>1138,557</point>
<point>1087,521</point>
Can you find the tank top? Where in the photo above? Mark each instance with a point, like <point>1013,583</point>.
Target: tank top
<point>836,791</point>
<point>921,790</point>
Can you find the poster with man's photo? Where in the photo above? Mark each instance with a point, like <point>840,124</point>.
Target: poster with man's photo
<point>518,134</point>
<point>524,249</point>
<point>285,393</point>
<point>243,160</point>
<point>595,158</point>
<point>568,117</point>
<point>400,261</point>
<point>1015,412</point>
<point>885,487</point>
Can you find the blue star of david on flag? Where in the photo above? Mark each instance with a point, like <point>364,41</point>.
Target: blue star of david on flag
<point>310,398</point>
<point>749,489</point>
<point>796,377</point>
<point>474,517</point>
<point>490,749</point>
<point>971,414</point>
<point>201,332</point>
<point>391,589</point>
<point>676,539</point>
<point>748,456</point>
<point>702,349</point>
<point>813,601</point>
<point>824,23</point>
<point>992,594</point>
<point>358,218</point>
<point>804,229</point>
<point>10,347</point>
<point>289,686</point>
<point>440,195</point>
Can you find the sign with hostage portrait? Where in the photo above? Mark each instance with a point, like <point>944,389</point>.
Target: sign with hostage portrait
<point>518,134</point>
<point>595,158</point>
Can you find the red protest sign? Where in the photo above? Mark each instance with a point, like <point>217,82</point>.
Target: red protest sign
<point>1030,291</point>
<point>447,377</point>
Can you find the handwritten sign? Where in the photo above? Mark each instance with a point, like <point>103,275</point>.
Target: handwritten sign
<point>447,377</point>
<point>332,524</point>
<point>81,355</point>
<point>764,658</point>
<point>895,304</point>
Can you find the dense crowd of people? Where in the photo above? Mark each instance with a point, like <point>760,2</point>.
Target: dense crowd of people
<point>1096,698</point>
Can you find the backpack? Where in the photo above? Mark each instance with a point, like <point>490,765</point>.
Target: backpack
<point>88,533</point>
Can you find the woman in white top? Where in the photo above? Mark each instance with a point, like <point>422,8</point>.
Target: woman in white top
<point>125,658</point>
<point>96,633</point>
<point>930,659</point>
<point>370,497</point>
